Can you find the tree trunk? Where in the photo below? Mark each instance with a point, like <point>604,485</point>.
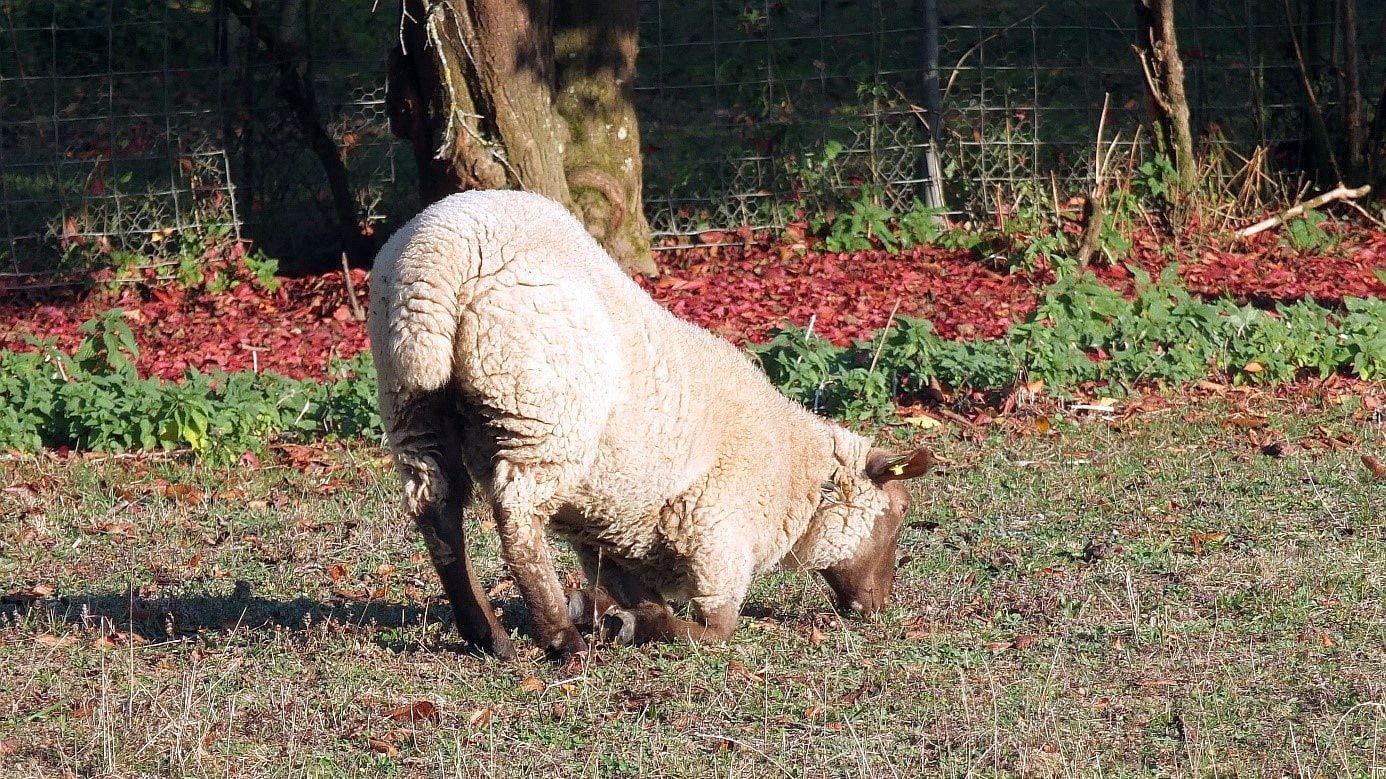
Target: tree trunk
<point>297,91</point>
<point>475,88</point>
<point>595,49</point>
<point>1354,114</point>
<point>1158,50</point>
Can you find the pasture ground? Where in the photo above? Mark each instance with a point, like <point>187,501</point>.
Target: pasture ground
<point>1166,592</point>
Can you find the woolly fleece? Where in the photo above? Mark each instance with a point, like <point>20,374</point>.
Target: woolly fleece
<point>583,406</point>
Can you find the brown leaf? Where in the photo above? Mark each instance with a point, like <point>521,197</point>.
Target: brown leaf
<point>48,639</point>
<point>998,646</point>
<point>816,637</point>
<point>1325,640</point>
<point>416,712</point>
<point>738,670</point>
<point>336,572</point>
<point>1199,538</point>
<point>183,494</point>
<point>113,527</point>
<point>532,684</point>
<point>384,570</point>
<point>1253,367</point>
<point>1246,421</point>
<point>480,718</point>
<point>1279,449</point>
<point>813,713</point>
<point>1374,465</point>
<point>502,587</point>
<point>384,747</point>
<point>1025,641</point>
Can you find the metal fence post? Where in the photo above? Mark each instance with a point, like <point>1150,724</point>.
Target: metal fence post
<point>933,114</point>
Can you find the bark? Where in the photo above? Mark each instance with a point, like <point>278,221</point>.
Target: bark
<point>1354,114</point>
<point>1158,50</point>
<point>469,87</point>
<point>489,95</point>
<point>1320,142</point>
<point>595,49</point>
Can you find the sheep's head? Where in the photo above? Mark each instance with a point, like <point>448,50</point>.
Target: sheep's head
<point>863,582</point>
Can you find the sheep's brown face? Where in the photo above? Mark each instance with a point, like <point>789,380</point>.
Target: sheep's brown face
<point>863,582</point>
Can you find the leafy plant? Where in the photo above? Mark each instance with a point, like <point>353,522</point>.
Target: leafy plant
<point>1308,233</point>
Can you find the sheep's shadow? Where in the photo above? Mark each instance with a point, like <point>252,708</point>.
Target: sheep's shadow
<point>395,626</point>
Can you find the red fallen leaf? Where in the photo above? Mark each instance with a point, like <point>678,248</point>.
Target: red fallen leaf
<point>415,713</point>
<point>336,572</point>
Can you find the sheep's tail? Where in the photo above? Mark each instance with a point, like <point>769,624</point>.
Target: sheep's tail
<point>419,336</point>
<point>417,295</point>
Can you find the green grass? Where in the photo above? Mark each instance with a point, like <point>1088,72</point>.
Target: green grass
<point>1056,616</point>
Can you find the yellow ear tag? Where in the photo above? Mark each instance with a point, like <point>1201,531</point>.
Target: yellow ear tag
<point>898,469</point>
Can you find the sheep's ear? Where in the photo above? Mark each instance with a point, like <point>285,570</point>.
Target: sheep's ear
<point>882,467</point>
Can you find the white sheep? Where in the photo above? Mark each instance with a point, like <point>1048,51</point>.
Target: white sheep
<point>513,352</point>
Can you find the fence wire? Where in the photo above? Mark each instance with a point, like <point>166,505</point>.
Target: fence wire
<point>132,131</point>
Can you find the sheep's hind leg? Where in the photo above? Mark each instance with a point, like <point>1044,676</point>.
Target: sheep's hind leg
<point>437,488</point>
<point>525,549</point>
<point>441,526</point>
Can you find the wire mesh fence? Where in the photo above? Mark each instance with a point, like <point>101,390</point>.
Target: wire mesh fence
<point>132,130</point>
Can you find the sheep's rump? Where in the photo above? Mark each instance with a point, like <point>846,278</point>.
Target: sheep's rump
<point>497,293</point>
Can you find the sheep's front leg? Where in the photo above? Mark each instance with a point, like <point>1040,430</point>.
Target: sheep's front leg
<point>643,615</point>
<point>527,553</point>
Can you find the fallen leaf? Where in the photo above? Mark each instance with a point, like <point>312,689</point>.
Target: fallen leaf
<point>1253,367</point>
<point>1374,465</point>
<point>923,422</point>
<point>1043,425</point>
<point>416,712</point>
<point>480,718</point>
<point>1199,539</point>
<point>1279,449</point>
<point>998,646</point>
<point>1025,641</point>
<point>738,669</point>
<point>1246,421</point>
<point>336,572</point>
<point>532,684</point>
<point>50,640</point>
<point>383,747</point>
<point>816,637</point>
<point>183,494</point>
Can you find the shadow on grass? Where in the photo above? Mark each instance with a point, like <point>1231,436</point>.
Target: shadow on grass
<point>182,617</point>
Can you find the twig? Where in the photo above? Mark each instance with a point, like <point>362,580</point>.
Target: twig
<point>1338,193</point>
<point>1364,212</point>
<point>957,68</point>
<point>357,312</point>
<point>889,324</point>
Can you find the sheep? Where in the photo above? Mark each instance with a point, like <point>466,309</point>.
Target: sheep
<point>514,354</point>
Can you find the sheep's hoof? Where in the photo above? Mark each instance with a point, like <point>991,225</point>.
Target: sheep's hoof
<point>618,627</point>
<point>579,607</point>
<point>567,645</point>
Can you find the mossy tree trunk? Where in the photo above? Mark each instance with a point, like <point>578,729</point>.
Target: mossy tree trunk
<point>595,48</point>
<point>476,89</point>
<point>1158,50</point>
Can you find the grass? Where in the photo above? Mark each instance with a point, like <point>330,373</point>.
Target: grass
<point>1147,596</point>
